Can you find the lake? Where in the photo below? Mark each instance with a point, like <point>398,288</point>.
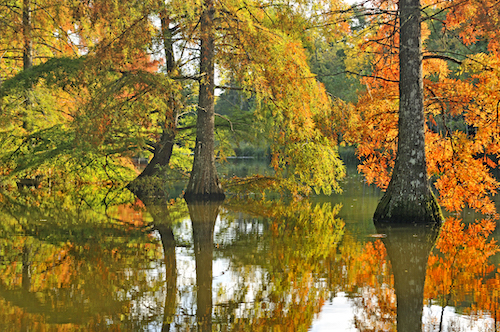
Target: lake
<point>98,259</point>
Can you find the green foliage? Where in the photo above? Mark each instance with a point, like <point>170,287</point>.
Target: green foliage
<point>83,117</point>
<point>112,115</point>
<point>62,72</point>
<point>336,69</point>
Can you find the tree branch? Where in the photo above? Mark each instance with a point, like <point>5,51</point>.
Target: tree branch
<point>225,118</point>
<point>441,57</point>
<point>359,74</point>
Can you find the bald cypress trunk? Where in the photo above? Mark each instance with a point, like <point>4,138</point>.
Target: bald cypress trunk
<point>27,36</point>
<point>204,181</point>
<point>27,53</point>
<point>145,184</point>
<point>409,198</point>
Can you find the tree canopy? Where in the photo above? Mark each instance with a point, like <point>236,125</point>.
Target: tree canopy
<point>127,80</point>
<point>460,104</point>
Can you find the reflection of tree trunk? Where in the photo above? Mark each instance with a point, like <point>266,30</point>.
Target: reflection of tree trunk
<point>204,181</point>
<point>408,249</point>
<point>163,224</point>
<point>26,273</point>
<point>203,216</point>
<point>168,241</point>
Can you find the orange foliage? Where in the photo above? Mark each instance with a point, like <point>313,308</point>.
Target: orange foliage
<point>459,161</point>
<point>374,283</point>
<point>132,214</point>
<point>459,269</point>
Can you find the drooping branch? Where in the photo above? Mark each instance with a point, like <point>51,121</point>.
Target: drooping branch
<point>227,119</point>
<point>441,57</point>
<point>358,74</point>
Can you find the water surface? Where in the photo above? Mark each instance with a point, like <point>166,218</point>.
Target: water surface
<point>98,259</point>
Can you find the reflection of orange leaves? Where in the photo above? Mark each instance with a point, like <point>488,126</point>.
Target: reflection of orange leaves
<point>376,304</point>
<point>131,213</point>
<point>57,270</point>
<point>461,263</point>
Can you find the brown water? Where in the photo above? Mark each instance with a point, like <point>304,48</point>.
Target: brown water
<point>99,260</point>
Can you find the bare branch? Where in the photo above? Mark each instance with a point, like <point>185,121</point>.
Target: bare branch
<point>225,118</point>
<point>441,57</point>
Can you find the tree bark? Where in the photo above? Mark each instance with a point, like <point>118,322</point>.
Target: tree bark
<point>27,36</point>
<point>164,147</point>
<point>204,181</point>
<point>409,198</point>
<point>27,51</point>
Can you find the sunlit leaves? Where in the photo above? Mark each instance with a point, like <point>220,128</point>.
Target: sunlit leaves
<point>460,266</point>
<point>460,104</point>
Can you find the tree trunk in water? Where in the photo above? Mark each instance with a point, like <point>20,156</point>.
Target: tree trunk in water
<point>141,186</point>
<point>409,198</point>
<point>204,181</point>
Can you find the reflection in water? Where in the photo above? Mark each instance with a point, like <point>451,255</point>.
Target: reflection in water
<point>408,248</point>
<point>203,216</point>
<point>75,261</point>
<point>64,261</point>
<point>164,218</point>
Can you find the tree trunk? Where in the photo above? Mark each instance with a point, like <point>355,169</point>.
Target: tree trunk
<point>204,182</point>
<point>164,147</point>
<point>28,41</point>
<point>409,198</point>
<point>162,154</point>
<point>27,52</point>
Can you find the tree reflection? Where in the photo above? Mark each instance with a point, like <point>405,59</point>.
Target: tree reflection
<point>287,254</point>
<point>408,248</point>
<point>165,216</point>
<point>203,216</point>
<point>460,270</point>
<point>69,261</point>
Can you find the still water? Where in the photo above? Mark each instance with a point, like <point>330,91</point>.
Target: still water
<point>98,259</point>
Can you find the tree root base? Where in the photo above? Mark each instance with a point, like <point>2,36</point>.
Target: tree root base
<point>206,197</point>
<point>422,211</point>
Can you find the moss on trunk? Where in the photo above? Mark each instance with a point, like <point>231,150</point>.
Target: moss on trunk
<point>424,210</point>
